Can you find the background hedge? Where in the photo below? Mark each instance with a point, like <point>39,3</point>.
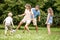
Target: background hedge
<point>17,7</point>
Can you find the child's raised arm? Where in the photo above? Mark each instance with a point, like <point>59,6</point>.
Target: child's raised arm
<point>21,15</point>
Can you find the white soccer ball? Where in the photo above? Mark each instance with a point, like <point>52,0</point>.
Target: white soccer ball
<point>13,31</point>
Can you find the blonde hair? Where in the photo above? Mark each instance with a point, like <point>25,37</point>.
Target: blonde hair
<point>51,11</point>
<point>10,14</point>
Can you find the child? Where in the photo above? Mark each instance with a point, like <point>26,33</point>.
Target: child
<point>36,14</point>
<point>27,17</point>
<point>49,19</point>
<point>8,22</point>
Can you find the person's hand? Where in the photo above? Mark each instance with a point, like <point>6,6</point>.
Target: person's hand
<point>46,22</point>
<point>19,15</point>
<point>39,20</point>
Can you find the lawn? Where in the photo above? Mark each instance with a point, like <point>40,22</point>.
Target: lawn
<point>41,35</point>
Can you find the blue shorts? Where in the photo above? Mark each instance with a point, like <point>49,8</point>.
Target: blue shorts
<point>49,22</point>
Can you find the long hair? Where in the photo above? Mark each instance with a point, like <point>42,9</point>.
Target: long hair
<point>50,11</point>
<point>28,5</point>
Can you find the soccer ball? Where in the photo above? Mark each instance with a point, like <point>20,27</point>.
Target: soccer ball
<point>13,31</point>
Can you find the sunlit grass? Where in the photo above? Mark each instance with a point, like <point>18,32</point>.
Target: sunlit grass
<point>33,35</point>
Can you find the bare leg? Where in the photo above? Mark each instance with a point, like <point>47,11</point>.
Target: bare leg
<point>19,25</point>
<point>11,33</point>
<point>6,30</point>
<point>48,27</point>
<point>35,24</point>
<point>26,27</point>
<point>36,28</point>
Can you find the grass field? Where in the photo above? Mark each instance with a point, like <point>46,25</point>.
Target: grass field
<point>41,35</point>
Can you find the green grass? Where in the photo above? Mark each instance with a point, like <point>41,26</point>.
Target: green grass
<point>41,35</point>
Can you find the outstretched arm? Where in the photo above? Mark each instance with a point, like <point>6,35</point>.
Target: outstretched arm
<point>21,15</point>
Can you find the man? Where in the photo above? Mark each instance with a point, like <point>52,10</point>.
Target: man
<point>36,13</point>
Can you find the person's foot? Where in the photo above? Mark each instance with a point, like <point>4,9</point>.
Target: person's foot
<point>23,31</point>
<point>16,29</point>
<point>11,34</point>
<point>29,31</point>
<point>5,34</point>
<point>36,31</point>
<point>49,33</point>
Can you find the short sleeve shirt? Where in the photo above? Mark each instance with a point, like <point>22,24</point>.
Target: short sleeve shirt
<point>35,12</point>
<point>8,20</point>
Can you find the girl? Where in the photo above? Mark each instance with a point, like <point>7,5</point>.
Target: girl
<point>49,19</point>
<point>27,17</point>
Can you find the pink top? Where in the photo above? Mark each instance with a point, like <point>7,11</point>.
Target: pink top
<point>28,14</point>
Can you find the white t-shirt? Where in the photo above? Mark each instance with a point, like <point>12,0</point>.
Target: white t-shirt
<point>8,20</point>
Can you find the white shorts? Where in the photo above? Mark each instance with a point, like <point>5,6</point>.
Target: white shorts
<point>49,23</point>
<point>26,21</point>
<point>8,27</point>
<point>34,21</point>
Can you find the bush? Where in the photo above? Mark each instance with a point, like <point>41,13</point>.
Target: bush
<point>17,7</point>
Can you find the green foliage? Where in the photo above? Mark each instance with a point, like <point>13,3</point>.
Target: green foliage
<point>17,7</point>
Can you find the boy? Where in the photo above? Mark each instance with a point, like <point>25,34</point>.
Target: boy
<point>36,13</point>
<point>8,22</point>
